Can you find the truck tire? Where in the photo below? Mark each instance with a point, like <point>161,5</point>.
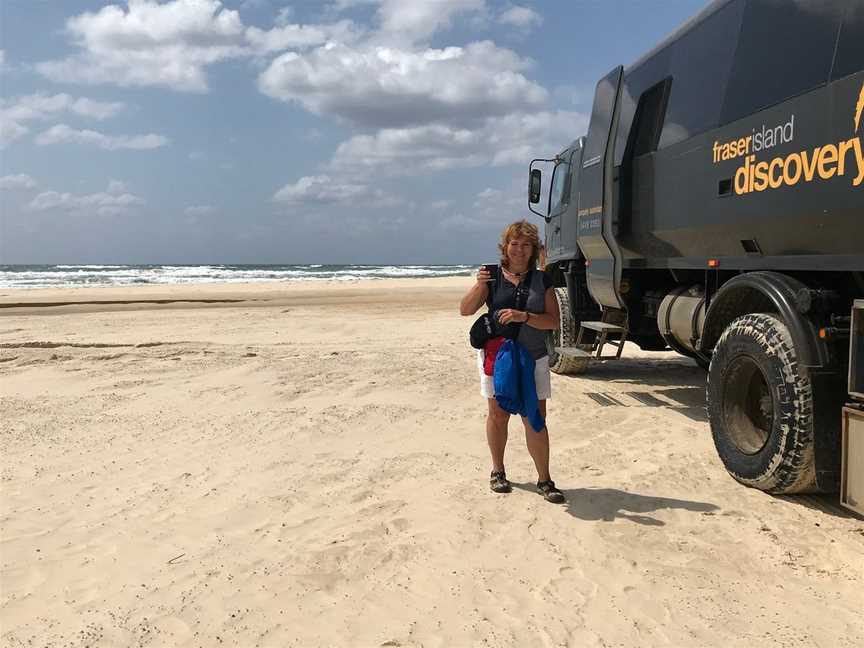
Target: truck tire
<point>568,330</point>
<point>760,406</point>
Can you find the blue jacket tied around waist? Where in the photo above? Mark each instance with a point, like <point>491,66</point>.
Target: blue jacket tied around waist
<point>515,389</point>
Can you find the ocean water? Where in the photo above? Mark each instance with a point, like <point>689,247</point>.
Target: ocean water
<point>60,276</point>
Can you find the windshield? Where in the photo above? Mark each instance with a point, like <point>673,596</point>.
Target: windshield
<point>559,196</point>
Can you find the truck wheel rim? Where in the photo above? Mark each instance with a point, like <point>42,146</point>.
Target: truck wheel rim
<point>748,408</point>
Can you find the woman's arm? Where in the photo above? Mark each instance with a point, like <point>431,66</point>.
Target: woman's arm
<point>547,321</point>
<point>476,297</point>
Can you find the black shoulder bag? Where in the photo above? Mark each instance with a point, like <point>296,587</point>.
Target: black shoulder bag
<point>487,326</point>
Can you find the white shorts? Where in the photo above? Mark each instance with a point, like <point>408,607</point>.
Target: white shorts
<point>542,378</point>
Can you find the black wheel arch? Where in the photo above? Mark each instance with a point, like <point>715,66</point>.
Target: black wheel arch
<point>559,272</point>
<point>563,275</point>
<point>772,292</point>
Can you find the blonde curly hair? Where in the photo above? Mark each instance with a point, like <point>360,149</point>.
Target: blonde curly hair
<point>520,229</point>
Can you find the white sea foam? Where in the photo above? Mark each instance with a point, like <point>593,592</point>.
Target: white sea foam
<point>70,275</point>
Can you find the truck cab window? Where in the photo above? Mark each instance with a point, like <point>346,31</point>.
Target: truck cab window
<point>559,193</point>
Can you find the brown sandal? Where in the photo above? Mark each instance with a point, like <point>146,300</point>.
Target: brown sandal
<point>498,482</point>
<point>549,492</point>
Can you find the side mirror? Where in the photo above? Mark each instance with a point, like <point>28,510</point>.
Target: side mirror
<point>534,186</point>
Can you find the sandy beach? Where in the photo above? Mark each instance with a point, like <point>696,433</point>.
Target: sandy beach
<point>305,465</point>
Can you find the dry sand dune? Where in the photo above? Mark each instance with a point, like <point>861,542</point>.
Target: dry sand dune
<point>307,467</point>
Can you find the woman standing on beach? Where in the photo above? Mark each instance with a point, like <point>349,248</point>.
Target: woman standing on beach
<point>519,249</point>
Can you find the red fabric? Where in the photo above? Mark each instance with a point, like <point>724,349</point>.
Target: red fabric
<point>491,350</point>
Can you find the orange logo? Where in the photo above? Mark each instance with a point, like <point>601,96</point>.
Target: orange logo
<point>820,163</point>
<point>859,109</point>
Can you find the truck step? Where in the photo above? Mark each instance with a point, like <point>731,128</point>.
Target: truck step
<point>603,326</point>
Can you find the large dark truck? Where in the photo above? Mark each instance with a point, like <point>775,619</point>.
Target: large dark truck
<point>716,207</point>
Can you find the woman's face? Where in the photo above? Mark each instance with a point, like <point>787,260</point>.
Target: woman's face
<point>519,251</point>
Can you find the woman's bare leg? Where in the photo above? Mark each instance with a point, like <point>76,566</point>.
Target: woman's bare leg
<point>496,433</point>
<point>538,445</point>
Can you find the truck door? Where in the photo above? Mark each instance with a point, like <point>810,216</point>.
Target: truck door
<point>595,215</point>
<point>563,196</point>
<point>556,209</point>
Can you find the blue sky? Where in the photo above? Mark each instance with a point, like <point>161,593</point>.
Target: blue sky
<point>265,131</point>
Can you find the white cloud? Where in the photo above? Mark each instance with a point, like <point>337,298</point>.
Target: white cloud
<point>171,44</point>
<point>508,202</point>
<point>18,110</point>
<point>5,66</point>
<point>491,210</point>
<point>324,190</point>
<point>246,5</point>
<point>462,222</point>
<point>521,17</point>
<point>512,139</point>
<point>63,134</point>
<point>95,109</point>
<point>10,131</point>
<point>113,202</point>
<point>417,21</point>
<point>342,5</point>
<point>117,187</point>
<point>167,44</point>
<point>200,210</point>
<point>291,36</point>
<point>19,181</point>
<point>381,86</point>
<point>412,19</point>
<point>409,150</point>
<point>41,106</point>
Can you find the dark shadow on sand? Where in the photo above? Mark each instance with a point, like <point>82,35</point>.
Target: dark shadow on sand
<point>690,399</point>
<point>679,380</point>
<point>609,504</point>
<point>649,372</point>
<point>827,503</point>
